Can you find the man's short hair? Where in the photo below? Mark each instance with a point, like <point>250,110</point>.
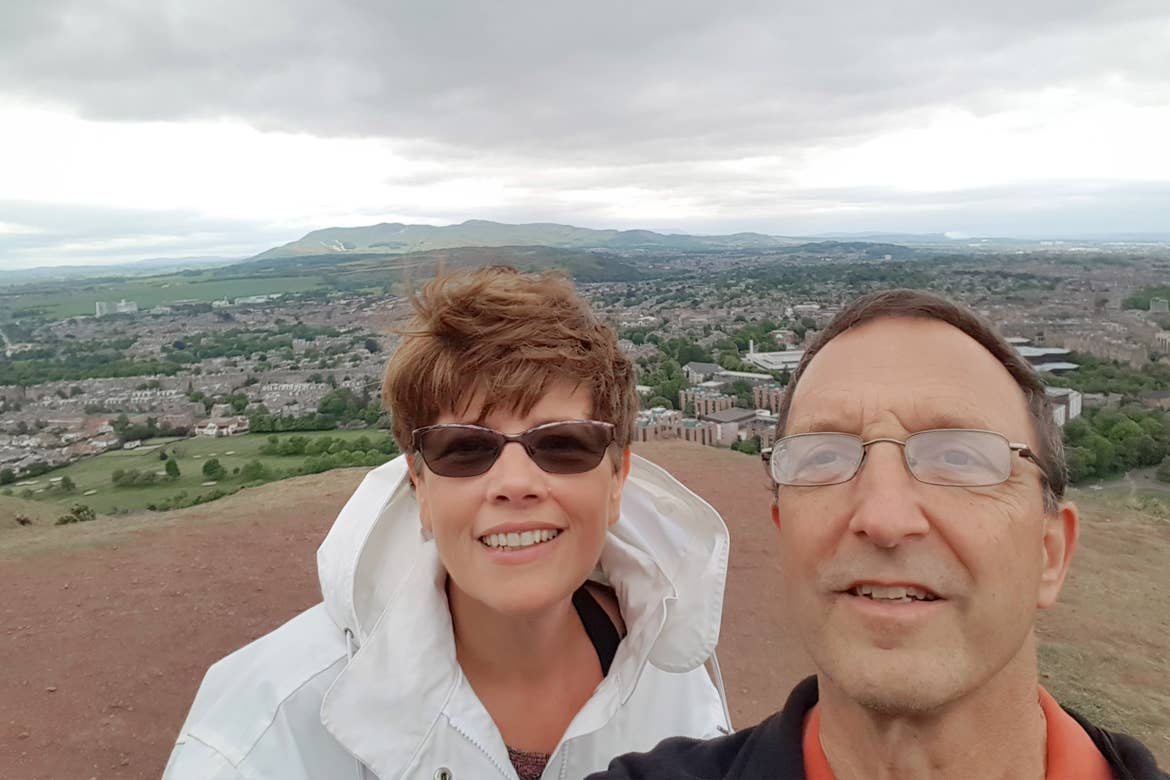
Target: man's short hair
<point>504,337</point>
<point>916,303</point>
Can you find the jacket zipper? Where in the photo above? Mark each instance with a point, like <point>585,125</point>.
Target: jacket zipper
<point>509,775</point>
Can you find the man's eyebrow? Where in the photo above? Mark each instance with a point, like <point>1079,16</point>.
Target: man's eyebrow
<point>925,420</point>
<point>837,420</point>
<point>844,420</point>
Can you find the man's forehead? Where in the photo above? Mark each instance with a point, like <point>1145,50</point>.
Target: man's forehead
<point>925,373</point>
<point>847,411</point>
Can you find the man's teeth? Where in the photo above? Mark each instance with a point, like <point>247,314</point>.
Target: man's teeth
<point>900,593</point>
<point>516,541</point>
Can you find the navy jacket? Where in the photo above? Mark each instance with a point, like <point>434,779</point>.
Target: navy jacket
<point>773,750</point>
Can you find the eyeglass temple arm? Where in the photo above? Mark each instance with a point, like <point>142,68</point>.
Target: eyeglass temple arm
<point>1025,452</point>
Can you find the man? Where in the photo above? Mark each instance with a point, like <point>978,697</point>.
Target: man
<point>918,480</point>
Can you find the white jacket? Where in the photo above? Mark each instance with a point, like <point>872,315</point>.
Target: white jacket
<point>293,705</point>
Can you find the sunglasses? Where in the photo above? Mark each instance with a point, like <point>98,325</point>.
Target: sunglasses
<point>565,447</point>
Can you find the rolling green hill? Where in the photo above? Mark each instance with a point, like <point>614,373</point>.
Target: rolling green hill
<point>398,238</point>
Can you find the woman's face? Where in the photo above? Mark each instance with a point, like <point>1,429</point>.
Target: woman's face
<point>560,519</point>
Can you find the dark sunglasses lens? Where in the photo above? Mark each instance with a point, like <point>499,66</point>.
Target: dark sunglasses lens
<point>569,448</point>
<point>459,452</point>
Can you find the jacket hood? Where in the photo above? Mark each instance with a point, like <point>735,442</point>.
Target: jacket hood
<point>377,539</point>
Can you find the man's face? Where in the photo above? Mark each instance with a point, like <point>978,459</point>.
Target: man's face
<point>516,496</point>
<point>989,555</point>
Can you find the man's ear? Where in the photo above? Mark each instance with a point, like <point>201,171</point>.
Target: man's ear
<point>1061,529</point>
<point>619,482</point>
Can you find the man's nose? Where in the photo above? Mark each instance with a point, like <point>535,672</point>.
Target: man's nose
<point>886,508</point>
<point>515,477</point>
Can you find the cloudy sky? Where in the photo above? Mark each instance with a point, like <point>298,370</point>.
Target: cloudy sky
<point>158,128</point>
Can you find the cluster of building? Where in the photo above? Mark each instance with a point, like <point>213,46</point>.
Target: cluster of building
<point>54,423</point>
<point>707,414</point>
<point>104,308</point>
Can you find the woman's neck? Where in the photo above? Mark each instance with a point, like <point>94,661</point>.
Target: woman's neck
<point>498,646</point>
<point>532,672</point>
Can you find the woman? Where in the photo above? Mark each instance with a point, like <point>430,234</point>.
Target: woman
<point>489,610</point>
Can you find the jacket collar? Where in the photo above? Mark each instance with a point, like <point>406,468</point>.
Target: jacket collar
<point>776,746</point>
<point>666,559</point>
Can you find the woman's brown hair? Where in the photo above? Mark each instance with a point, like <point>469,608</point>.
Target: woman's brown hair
<point>504,337</point>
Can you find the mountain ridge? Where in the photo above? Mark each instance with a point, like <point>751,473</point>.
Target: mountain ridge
<point>402,238</point>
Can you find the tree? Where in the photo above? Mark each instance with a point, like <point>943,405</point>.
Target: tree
<point>121,424</point>
<point>213,469</point>
<point>172,468</point>
<point>7,476</point>
<point>747,446</point>
<point>1082,463</point>
<point>67,484</point>
<point>659,401</point>
<point>254,471</point>
<point>80,513</point>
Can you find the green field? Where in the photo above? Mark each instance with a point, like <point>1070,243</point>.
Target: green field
<point>232,452</point>
<point>79,297</point>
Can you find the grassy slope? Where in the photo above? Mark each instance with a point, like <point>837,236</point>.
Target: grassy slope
<point>191,454</point>
<point>12,507</point>
<point>76,298</point>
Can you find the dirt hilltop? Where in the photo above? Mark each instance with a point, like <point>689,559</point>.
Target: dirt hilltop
<point>109,626</point>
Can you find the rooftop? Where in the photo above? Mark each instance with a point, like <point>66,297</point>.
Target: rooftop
<point>734,414</point>
<point>703,368</point>
<point>1054,366</point>
<point>775,361</point>
<point>1031,352</point>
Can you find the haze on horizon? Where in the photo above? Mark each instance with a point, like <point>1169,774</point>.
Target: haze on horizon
<point>136,129</point>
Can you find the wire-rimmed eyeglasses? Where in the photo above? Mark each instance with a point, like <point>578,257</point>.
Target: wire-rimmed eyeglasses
<point>956,457</point>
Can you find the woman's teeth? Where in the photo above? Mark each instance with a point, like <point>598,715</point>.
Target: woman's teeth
<point>516,541</point>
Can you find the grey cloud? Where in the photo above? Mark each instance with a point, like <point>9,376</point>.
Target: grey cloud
<point>55,234</point>
<point>582,81</point>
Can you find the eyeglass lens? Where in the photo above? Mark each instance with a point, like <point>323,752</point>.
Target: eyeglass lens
<point>558,448</point>
<point>966,458</point>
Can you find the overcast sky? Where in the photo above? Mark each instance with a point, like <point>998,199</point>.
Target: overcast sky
<point>153,128</point>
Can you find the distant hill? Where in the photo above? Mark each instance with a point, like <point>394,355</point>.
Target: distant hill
<point>157,265</point>
<point>868,249</point>
<point>398,238</point>
<point>366,268</point>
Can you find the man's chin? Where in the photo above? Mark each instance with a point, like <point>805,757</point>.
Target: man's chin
<point>895,686</point>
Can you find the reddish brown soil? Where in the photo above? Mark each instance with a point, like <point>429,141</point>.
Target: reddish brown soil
<point>108,628</point>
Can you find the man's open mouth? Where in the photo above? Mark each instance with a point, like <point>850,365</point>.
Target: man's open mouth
<point>896,593</point>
